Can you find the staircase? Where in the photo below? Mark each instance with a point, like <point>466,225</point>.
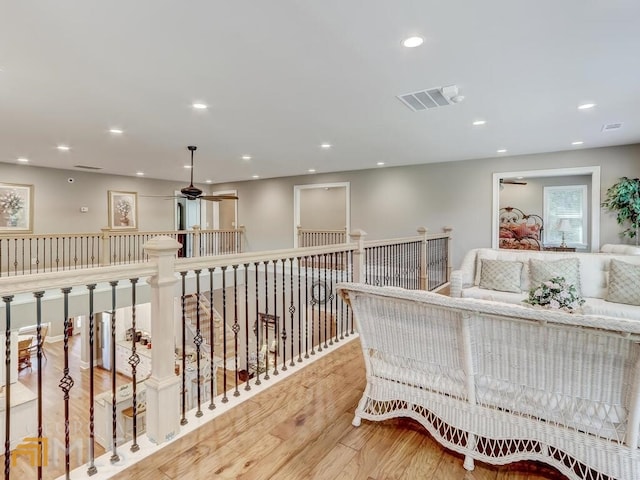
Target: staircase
<point>192,303</point>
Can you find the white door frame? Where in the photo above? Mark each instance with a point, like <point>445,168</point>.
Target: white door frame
<point>554,172</point>
<point>216,209</point>
<point>296,205</point>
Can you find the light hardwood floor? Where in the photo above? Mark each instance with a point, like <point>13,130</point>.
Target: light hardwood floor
<point>53,406</point>
<point>299,428</point>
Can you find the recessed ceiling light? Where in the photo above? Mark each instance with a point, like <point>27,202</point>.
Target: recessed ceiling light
<point>502,150</point>
<point>63,148</point>
<point>380,164</point>
<point>479,122</point>
<point>23,160</point>
<point>579,142</point>
<point>312,170</point>
<point>325,145</point>
<point>140,174</point>
<point>413,42</point>
<point>200,106</point>
<point>586,106</point>
<point>246,157</point>
<point>116,131</point>
<point>208,181</point>
<point>187,166</point>
<point>255,176</point>
<point>519,178</point>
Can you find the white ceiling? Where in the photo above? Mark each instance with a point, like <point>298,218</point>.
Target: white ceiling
<point>283,76</point>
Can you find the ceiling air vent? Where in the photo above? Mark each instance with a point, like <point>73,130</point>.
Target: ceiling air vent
<point>611,126</point>
<point>430,98</point>
<point>87,167</point>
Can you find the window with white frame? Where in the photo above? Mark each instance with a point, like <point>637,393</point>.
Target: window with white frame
<point>565,213</point>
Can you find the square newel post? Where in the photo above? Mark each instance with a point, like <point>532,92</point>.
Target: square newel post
<point>357,237</point>
<point>163,387</point>
<point>298,237</point>
<point>424,245</point>
<point>196,241</point>
<point>105,256</point>
<point>448,231</point>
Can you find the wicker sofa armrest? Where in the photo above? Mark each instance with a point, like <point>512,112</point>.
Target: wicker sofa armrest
<point>456,283</point>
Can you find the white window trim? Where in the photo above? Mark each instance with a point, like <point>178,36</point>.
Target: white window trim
<point>547,215</point>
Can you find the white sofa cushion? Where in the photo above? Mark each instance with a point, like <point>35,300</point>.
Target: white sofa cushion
<point>544,270</point>
<point>500,275</point>
<point>505,255</point>
<point>493,295</point>
<point>594,268</point>
<point>599,306</point>
<point>624,283</point>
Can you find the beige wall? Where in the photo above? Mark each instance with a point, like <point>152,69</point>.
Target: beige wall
<point>323,208</point>
<point>394,201</point>
<point>529,197</point>
<point>57,202</point>
<point>385,202</point>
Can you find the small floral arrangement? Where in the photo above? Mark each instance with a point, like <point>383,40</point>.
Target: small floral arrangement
<point>123,207</point>
<point>556,294</point>
<point>11,202</point>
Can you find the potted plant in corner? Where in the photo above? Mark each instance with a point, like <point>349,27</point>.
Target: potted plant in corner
<point>624,199</point>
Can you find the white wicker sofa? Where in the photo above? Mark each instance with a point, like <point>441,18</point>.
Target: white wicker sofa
<point>502,383</point>
<point>594,278</point>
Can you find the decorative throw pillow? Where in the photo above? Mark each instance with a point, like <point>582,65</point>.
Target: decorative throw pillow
<point>624,283</point>
<point>500,275</point>
<point>543,270</point>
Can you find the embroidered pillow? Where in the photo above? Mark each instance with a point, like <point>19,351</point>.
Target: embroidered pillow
<point>543,270</point>
<point>500,275</point>
<point>624,283</point>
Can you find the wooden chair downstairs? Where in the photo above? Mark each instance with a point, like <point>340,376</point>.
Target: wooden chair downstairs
<point>34,347</point>
<point>24,353</point>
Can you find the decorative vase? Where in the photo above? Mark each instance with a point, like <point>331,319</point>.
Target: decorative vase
<point>11,219</point>
<point>124,221</point>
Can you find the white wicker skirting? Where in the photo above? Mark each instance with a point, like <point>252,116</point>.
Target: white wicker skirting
<point>502,383</point>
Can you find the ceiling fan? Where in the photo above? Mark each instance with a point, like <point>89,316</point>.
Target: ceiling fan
<point>511,182</point>
<point>194,193</point>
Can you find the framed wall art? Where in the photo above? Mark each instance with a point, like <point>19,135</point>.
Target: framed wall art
<point>16,208</point>
<point>123,210</point>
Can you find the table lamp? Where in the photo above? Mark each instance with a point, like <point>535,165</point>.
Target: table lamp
<point>564,226</point>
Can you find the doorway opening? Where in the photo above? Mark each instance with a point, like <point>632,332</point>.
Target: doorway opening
<point>323,207</point>
<point>594,197</point>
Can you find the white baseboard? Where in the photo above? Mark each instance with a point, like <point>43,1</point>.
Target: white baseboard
<point>56,338</point>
